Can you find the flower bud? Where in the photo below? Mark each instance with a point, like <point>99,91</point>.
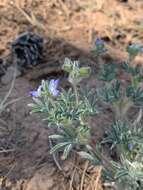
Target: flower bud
<point>99,43</point>
<point>84,72</point>
<point>130,146</point>
<point>67,66</point>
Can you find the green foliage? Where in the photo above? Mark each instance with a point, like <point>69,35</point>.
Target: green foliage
<point>120,98</point>
<point>76,73</point>
<point>124,136</point>
<point>120,134</point>
<point>136,95</point>
<point>108,72</point>
<point>110,92</point>
<point>131,70</point>
<point>89,100</point>
<point>133,50</point>
<point>69,112</point>
<point>94,156</point>
<point>99,48</point>
<point>129,175</point>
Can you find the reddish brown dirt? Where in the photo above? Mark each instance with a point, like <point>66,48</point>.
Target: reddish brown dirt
<point>69,29</point>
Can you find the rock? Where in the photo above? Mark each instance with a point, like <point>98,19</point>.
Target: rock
<point>27,49</point>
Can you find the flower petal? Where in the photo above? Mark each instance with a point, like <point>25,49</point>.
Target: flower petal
<point>99,42</point>
<point>53,87</point>
<point>130,146</point>
<point>36,93</point>
<point>56,92</point>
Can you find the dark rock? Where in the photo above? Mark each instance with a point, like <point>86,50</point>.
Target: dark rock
<point>27,50</point>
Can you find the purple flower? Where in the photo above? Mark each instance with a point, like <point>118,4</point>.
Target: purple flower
<point>36,93</point>
<point>99,42</point>
<point>130,146</point>
<point>53,87</point>
<point>100,46</point>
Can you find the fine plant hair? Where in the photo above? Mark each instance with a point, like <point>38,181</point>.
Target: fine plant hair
<point>69,112</point>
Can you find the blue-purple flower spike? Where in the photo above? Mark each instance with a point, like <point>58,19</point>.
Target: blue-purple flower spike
<point>36,93</point>
<point>99,42</point>
<point>53,87</point>
<point>100,46</point>
<point>130,146</point>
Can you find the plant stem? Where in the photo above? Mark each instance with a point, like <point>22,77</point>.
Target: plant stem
<point>76,93</point>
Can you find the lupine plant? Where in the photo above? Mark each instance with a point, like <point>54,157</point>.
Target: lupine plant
<point>125,137</point>
<point>68,112</point>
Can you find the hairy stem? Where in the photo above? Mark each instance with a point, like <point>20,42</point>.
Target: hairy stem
<point>76,93</point>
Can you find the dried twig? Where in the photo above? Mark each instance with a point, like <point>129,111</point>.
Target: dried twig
<point>31,19</point>
<point>139,117</point>
<point>7,150</point>
<point>2,103</point>
<point>83,175</point>
<point>64,7</point>
<point>78,168</point>
<point>20,3</point>
<point>96,184</point>
<point>71,181</point>
<point>90,187</point>
<point>13,101</point>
